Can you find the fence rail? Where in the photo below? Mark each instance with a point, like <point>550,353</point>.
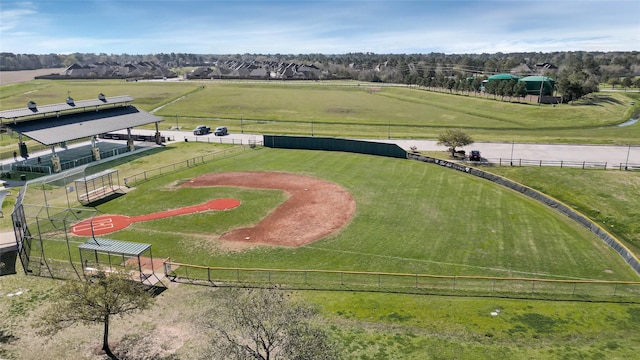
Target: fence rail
<point>562,164</point>
<point>221,140</point>
<point>591,290</point>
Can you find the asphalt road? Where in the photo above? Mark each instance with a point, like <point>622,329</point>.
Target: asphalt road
<point>610,154</point>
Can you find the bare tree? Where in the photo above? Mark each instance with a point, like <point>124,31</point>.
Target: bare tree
<point>94,301</point>
<point>264,324</point>
<point>453,139</point>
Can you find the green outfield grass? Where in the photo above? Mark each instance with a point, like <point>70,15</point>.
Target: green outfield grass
<point>411,218</point>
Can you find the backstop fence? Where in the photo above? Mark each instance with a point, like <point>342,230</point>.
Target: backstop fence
<point>585,290</point>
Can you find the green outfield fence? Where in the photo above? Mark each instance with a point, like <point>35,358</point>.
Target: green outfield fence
<point>581,290</point>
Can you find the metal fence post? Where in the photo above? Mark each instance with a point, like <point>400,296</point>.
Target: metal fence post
<point>341,278</point>
<point>209,274</point>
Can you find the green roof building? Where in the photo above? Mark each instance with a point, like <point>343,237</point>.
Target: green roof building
<point>536,83</point>
<point>503,77</point>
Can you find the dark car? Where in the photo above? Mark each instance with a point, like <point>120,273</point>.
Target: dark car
<point>201,130</point>
<point>475,155</point>
<point>221,131</point>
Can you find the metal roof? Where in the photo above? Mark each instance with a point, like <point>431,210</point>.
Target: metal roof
<point>73,105</point>
<point>97,175</point>
<point>54,130</point>
<point>114,246</point>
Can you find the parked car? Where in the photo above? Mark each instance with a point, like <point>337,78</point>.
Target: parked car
<point>221,131</point>
<point>475,155</point>
<point>201,130</point>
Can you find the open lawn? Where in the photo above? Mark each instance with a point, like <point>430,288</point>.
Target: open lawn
<point>366,325</point>
<point>350,109</point>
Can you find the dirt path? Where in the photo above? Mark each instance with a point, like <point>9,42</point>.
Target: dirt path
<point>14,77</point>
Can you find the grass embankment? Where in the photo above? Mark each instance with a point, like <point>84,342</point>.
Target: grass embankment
<point>607,197</point>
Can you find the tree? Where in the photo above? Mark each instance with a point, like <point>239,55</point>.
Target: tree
<point>453,139</point>
<point>264,324</point>
<point>95,300</point>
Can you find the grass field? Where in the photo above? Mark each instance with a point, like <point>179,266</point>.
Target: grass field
<point>397,228</point>
<point>411,217</point>
<point>348,109</point>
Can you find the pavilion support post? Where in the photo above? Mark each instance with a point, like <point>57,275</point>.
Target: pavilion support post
<point>130,140</point>
<point>158,137</point>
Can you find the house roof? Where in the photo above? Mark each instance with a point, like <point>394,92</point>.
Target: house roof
<point>54,130</point>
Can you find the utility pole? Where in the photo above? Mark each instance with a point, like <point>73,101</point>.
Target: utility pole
<point>512,144</point>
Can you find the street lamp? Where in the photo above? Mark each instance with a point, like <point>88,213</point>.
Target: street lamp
<point>512,143</point>
<point>626,164</point>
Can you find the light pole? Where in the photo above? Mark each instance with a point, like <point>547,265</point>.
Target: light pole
<point>241,128</point>
<point>311,127</point>
<point>177,127</point>
<point>512,144</point>
<point>626,164</point>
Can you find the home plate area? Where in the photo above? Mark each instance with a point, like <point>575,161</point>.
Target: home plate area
<point>105,224</point>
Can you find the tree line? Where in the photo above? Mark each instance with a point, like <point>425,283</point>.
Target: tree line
<point>576,73</point>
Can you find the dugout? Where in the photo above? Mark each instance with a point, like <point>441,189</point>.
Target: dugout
<point>98,186</point>
<point>99,254</point>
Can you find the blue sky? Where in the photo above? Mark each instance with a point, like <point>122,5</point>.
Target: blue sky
<point>327,27</point>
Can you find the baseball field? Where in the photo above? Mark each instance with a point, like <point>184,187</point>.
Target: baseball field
<point>338,211</point>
